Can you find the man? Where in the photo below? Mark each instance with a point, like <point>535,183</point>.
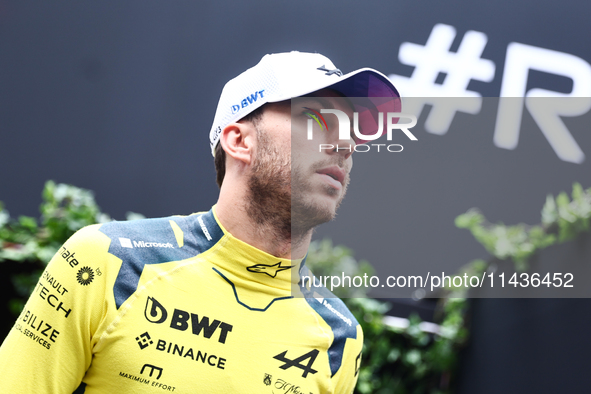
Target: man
<point>212,302</point>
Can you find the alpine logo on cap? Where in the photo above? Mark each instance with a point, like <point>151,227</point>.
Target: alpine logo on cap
<point>330,72</point>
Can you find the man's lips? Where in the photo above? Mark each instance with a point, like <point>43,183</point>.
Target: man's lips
<point>335,172</point>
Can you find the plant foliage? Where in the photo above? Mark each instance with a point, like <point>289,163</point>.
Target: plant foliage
<point>27,245</point>
<point>562,220</point>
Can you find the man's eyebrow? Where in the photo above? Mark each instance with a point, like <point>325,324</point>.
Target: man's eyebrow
<point>320,100</point>
<point>327,103</point>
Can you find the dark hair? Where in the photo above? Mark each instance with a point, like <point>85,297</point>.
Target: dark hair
<point>220,155</point>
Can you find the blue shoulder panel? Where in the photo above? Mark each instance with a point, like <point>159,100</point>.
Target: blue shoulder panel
<point>152,241</point>
<point>335,313</point>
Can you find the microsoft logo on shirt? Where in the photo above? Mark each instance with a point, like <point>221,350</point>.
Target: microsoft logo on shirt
<point>127,243</point>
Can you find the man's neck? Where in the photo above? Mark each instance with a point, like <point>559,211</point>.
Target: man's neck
<point>268,236</point>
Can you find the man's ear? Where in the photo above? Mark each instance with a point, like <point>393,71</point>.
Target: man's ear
<point>238,140</point>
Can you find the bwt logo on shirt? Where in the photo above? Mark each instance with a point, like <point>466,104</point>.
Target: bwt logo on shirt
<point>127,243</point>
<point>247,101</point>
<point>182,320</point>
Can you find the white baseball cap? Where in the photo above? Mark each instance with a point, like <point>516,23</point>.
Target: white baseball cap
<point>282,76</point>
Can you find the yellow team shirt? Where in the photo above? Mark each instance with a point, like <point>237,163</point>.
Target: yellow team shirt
<point>177,305</point>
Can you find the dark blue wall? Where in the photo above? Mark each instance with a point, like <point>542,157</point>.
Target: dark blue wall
<point>118,97</point>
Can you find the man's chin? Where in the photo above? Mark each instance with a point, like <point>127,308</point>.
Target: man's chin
<point>306,216</point>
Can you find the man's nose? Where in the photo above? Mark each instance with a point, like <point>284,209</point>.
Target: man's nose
<point>344,148</point>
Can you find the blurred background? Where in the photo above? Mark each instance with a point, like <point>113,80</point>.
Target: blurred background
<point>119,96</point>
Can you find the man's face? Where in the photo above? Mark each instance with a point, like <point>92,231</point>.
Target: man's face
<point>289,170</point>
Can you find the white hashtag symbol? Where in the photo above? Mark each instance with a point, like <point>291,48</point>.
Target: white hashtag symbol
<point>460,67</point>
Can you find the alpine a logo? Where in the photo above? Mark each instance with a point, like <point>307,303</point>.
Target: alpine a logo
<point>128,243</point>
<point>181,320</point>
<point>298,362</point>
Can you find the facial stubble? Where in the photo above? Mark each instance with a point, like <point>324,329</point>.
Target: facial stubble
<point>279,192</point>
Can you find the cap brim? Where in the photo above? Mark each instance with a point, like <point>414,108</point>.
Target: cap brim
<point>372,93</point>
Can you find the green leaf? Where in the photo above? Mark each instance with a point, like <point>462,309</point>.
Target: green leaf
<point>549,211</point>
<point>469,219</point>
<point>134,216</point>
<point>413,357</point>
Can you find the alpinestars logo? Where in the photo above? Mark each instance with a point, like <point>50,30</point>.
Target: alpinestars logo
<point>270,270</point>
<point>297,362</point>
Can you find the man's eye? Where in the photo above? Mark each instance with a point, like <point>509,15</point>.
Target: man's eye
<point>316,116</point>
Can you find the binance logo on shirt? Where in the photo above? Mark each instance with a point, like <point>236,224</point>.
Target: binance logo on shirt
<point>144,340</point>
